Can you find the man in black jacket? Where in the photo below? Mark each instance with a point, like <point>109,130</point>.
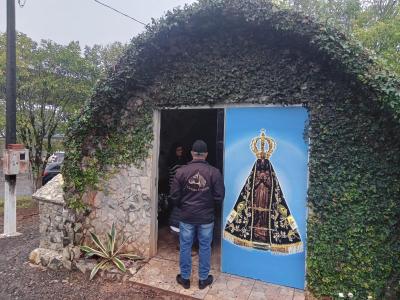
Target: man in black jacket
<point>196,188</point>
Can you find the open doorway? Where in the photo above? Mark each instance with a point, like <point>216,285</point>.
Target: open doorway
<point>180,128</point>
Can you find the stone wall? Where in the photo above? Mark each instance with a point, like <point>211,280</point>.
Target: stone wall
<point>51,223</point>
<point>125,199</point>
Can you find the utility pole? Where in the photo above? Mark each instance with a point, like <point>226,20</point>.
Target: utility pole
<point>10,223</point>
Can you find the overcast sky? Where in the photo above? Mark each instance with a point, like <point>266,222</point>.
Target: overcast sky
<point>85,20</point>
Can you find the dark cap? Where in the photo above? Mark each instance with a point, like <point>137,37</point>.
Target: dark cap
<point>199,146</point>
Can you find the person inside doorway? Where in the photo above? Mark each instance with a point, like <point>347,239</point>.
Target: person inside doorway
<point>177,159</point>
<point>196,189</point>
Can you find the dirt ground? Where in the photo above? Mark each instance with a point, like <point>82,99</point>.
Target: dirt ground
<point>19,280</point>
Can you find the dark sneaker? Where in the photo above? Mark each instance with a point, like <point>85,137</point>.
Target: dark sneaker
<point>204,283</point>
<point>183,282</point>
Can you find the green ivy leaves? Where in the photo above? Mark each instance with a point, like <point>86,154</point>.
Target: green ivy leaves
<point>236,51</point>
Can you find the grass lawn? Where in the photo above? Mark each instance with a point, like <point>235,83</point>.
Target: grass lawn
<point>22,202</point>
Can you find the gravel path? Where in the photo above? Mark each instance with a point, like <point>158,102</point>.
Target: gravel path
<point>20,280</point>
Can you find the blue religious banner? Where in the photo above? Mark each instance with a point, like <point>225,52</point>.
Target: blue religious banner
<point>264,214</point>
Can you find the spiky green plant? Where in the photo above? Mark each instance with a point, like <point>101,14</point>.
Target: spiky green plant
<point>107,253</point>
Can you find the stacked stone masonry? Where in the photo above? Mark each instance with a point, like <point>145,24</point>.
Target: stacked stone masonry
<point>124,199</point>
<point>51,226</point>
<point>51,223</point>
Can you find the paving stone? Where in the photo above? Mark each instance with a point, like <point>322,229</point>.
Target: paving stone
<point>298,295</point>
<point>228,287</point>
<point>265,291</point>
<point>161,273</point>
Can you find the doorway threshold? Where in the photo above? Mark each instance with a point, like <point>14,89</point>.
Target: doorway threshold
<point>161,272</point>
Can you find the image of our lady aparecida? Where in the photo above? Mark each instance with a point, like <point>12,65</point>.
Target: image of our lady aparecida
<point>261,217</point>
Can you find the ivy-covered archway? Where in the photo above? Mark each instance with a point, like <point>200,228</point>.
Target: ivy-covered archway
<point>235,51</point>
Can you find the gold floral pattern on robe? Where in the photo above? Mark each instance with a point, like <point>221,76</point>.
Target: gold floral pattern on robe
<point>261,217</point>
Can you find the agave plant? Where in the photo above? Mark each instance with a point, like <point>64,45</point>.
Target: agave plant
<point>107,253</point>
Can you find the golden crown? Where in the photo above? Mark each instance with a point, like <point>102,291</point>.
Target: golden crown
<point>260,151</point>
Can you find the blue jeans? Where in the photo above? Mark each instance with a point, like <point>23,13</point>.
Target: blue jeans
<point>186,236</point>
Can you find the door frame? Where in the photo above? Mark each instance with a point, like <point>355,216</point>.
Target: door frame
<point>155,152</point>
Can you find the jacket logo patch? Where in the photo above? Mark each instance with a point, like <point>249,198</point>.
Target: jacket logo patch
<point>197,183</point>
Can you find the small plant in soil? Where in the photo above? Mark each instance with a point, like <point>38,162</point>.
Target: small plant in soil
<point>108,253</point>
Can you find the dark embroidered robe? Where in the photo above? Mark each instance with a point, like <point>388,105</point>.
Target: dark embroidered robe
<point>261,217</point>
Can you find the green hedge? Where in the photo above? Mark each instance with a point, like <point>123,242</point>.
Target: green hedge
<point>251,52</point>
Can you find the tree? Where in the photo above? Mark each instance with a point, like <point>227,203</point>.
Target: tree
<point>375,23</point>
<point>384,38</point>
<point>104,57</point>
<point>379,10</point>
<point>341,13</point>
<point>378,28</point>
<point>53,81</point>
